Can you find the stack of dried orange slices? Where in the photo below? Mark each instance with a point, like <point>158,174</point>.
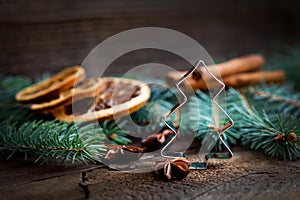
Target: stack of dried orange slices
<point>91,99</point>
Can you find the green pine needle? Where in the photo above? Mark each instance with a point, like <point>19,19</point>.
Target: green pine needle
<point>276,135</point>
<point>46,139</point>
<point>200,121</point>
<point>41,136</point>
<point>276,98</point>
<point>114,132</point>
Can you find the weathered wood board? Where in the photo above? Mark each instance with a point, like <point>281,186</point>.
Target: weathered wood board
<point>249,175</point>
<point>39,36</point>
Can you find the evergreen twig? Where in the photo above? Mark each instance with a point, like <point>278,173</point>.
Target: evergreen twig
<point>257,123</point>
<point>46,139</point>
<point>41,136</point>
<point>277,135</point>
<point>275,98</point>
<point>115,133</point>
<point>201,121</point>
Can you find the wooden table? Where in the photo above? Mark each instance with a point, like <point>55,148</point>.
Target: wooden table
<point>36,37</point>
<point>248,175</point>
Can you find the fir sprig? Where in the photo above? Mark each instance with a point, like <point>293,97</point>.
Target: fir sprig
<point>200,118</point>
<point>40,135</point>
<point>276,135</point>
<point>115,132</point>
<point>46,139</point>
<point>276,98</point>
<point>257,122</point>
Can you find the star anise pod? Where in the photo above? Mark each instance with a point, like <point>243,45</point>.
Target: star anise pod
<point>178,168</point>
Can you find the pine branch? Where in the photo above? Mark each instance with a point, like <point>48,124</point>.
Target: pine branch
<point>199,119</point>
<point>276,98</point>
<point>114,132</point>
<point>276,135</point>
<point>21,132</point>
<point>46,139</point>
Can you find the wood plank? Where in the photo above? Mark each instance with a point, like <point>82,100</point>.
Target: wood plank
<point>249,175</point>
<point>18,171</point>
<point>52,46</point>
<point>39,36</point>
<point>42,11</point>
<point>65,187</point>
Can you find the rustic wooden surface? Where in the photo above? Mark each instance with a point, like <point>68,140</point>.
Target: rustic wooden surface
<point>39,36</point>
<point>248,175</point>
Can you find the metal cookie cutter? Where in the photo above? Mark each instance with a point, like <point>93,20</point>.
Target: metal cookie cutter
<point>220,131</point>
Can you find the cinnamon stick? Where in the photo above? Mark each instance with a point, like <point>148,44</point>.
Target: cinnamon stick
<point>249,63</point>
<point>239,80</point>
<point>244,79</point>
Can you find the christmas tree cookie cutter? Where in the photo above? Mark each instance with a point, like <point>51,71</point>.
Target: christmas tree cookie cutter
<point>219,130</point>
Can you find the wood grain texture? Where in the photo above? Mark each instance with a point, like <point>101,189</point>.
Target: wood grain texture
<point>18,171</point>
<point>249,175</point>
<point>39,36</point>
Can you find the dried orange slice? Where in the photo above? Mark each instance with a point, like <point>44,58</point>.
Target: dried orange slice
<point>85,89</point>
<point>51,87</point>
<point>117,97</point>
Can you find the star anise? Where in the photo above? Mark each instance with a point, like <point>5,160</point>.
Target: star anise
<point>178,168</point>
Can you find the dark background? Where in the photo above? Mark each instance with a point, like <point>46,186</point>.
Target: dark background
<point>41,35</point>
